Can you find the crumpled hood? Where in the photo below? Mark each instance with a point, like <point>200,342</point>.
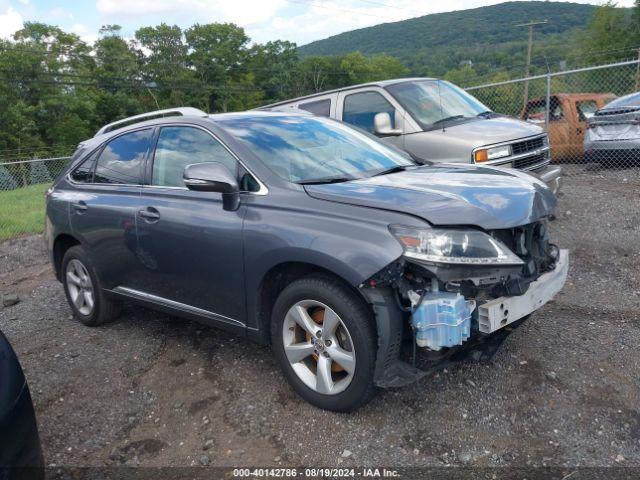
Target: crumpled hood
<point>490,198</point>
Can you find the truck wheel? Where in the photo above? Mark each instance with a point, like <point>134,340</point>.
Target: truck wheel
<point>82,288</point>
<point>324,338</point>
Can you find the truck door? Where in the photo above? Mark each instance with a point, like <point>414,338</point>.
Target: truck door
<point>584,109</point>
<point>359,107</point>
<point>558,124</point>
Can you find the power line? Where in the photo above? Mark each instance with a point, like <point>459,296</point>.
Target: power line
<point>202,87</point>
<point>187,63</point>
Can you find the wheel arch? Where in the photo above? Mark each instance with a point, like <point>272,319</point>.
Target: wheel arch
<point>61,245</point>
<point>275,280</point>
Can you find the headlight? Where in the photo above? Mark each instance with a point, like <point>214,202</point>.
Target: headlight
<point>462,247</point>
<point>487,154</point>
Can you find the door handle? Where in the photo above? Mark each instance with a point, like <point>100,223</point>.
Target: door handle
<point>80,207</point>
<point>150,214</point>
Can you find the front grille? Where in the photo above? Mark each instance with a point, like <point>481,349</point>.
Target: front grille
<point>532,162</point>
<point>527,145</point>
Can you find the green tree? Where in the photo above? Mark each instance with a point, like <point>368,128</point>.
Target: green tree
<point>218,52</point>
<point>165,67</point>
<point>462,76</point>
<point>274,68</point>
<point>609,30</point>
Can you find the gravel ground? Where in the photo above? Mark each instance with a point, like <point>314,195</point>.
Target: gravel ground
<point>153,390</point>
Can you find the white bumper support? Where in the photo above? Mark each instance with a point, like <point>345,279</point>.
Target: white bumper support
<point>500,312</point>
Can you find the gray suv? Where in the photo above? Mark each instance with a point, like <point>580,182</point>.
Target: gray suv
<point>340,251</point>
<point>438,121</point>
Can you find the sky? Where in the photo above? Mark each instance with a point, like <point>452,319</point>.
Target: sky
<point>300,21</point>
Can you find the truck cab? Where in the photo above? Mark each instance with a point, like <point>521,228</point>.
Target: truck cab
<point>568,116</point>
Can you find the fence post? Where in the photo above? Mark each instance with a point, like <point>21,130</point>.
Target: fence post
<point>548,100</point>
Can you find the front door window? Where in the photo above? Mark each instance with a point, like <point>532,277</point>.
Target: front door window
<point>360,108</point>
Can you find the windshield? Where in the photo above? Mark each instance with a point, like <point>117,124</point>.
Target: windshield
<point>304,149</point>
<point>432,102</point>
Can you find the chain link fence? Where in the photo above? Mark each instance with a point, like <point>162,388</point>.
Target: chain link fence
<point>587,138</point>
<point>590,114</point>
<point>23,183</point>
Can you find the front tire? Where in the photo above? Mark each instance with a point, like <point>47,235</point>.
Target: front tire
<point>82,288</point>
<point>324,338</point>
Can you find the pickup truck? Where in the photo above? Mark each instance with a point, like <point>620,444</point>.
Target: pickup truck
<point>436,121</point>
<point>568,116</point>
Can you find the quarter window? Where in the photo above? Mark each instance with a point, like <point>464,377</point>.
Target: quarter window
<point>322,108</point>
<point>181,146</point>
<point>84,172</point>
<point>121,160</point>
<point>360,108</point>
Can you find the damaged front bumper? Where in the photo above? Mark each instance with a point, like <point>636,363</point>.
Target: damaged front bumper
<point>500,312</point>
<point>491,322</point>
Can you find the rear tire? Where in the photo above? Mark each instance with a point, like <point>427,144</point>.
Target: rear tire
<point>331,361</point>
<point>83,291</point>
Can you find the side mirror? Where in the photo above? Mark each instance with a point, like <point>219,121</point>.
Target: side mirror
<point>213,177</point>
<point>382,125</point>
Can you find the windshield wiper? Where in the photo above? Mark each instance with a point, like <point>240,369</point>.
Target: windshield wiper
<point>395,169</point>
<point>321,181</point>
<point>448,119</point>
<point>486,113</point>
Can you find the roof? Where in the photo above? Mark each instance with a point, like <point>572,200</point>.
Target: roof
<point>181,114</point>
<point>379,83</point>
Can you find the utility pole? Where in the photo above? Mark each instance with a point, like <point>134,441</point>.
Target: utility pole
<point>528,67</point>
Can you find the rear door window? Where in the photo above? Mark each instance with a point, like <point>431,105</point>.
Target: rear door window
<point>122,159</point>
<point>359,109</point>
<point>322,108</point>
<point>178,147</point>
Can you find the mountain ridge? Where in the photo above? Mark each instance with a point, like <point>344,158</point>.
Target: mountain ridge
<point>450,37</point>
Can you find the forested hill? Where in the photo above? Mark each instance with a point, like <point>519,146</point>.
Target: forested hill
<point>460,35</point>
<point>492,25</point>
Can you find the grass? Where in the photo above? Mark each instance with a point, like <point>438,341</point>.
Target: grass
<point>22,210</point>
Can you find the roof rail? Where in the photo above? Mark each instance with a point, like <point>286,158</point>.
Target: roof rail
<point>168,112</point>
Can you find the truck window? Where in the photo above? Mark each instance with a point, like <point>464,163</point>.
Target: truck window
<point>322,108</point>
<point>536,111</point>
<point>586,109</point>
<point>360,108</point>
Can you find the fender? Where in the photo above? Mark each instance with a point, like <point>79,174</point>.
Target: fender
<point>273,236</point>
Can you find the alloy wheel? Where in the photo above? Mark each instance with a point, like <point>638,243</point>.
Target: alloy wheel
<point>80,287</point>
<point>318,347</point>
